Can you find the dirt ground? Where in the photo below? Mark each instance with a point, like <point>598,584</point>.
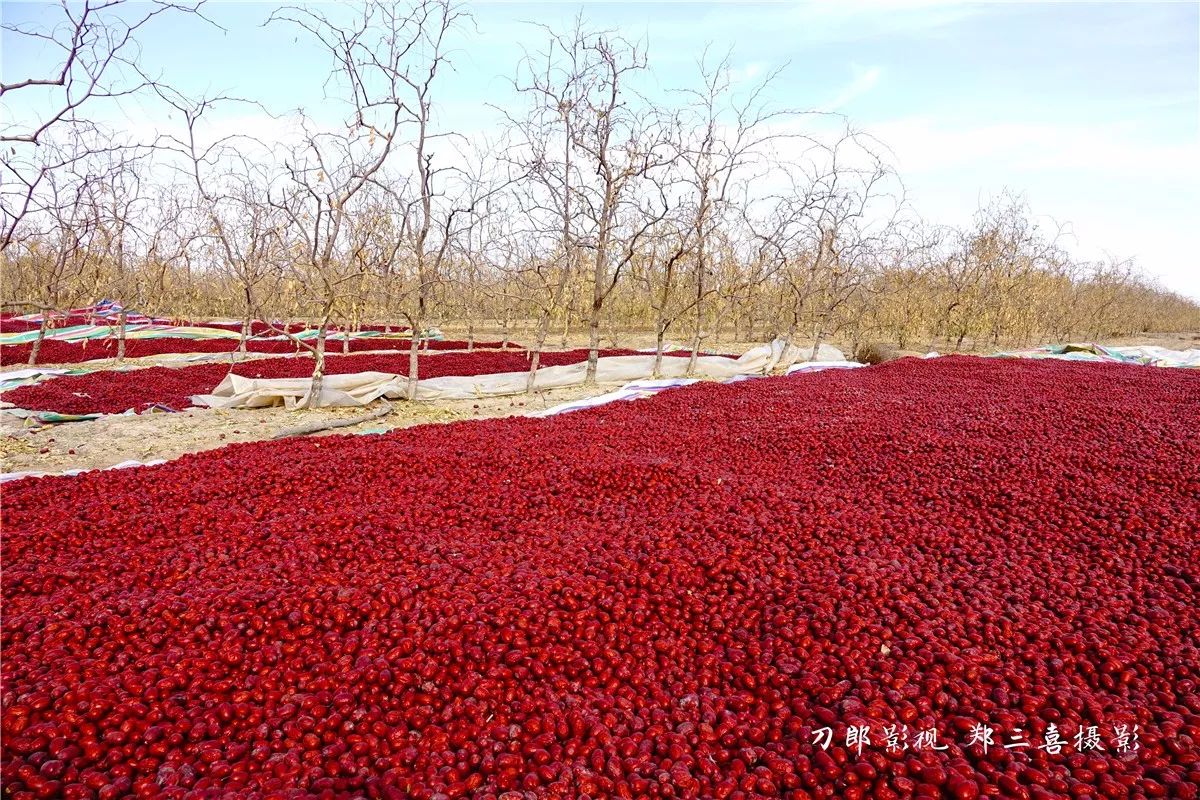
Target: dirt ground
<point>118,438</point>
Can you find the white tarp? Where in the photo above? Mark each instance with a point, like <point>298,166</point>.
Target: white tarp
<point>13,476</point>
<point>636,390</point>
<point>631,391</point>
<point>20,377</point>
<point>1148,355</point>
<point>14,375</point>
<point>363,388</point>
<point>1162,356</point>
<point>819,366</point>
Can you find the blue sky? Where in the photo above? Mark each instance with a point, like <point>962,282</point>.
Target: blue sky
<point>1092,111</point>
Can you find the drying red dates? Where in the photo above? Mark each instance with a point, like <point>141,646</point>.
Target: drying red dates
<point>54,351</point>
<point>115,392</point>
<point>662,598</point>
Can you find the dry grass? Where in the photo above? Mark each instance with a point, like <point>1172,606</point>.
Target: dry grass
<point>875,353</point>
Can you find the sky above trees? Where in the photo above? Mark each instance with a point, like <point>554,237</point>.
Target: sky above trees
<point>1090,110</point>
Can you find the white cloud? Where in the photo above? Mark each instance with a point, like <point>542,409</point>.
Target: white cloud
<point>924,144</point>
<point>864,81</point>
<point>824,21</point>
<point>747,72</point>
<point>1121,191</point>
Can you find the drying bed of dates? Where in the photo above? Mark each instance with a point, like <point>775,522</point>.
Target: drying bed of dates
<point>59,352</point>
<point>674,597</point>
<point>10,324</point>
<point>107,392</point>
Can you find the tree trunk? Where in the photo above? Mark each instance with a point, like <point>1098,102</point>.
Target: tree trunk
<point>788,338</point>
<point>699,313</point>
<point>599,274</point>
<point>535,355</point>
<point>658,348</point>
<point>535,358</point>
<point>504,343</point>
<point>121,336</point>
<point>818,339</point>
<point>696,337</point>
<point>37,343</point>
<point>247,321</point>
<point>318,376</point>
<point>593,359</point>
<point>470,335</point>
<point>245,335</point>
<point>414,349</point>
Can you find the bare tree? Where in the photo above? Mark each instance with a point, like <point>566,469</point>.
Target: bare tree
<point>233,180</point>
<point>612,139</point>
<point>723,134</point>
<point>97,63</point>
<point>544,165</point>
<point>386,62</point>
<point>778,227</point>
<point>55,256</point>
<point>856,217</point>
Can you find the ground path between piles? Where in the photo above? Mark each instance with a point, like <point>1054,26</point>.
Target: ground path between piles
<point>116,438</point>
<point>177,389</point>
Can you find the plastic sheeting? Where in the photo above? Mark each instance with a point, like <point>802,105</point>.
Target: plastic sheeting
<point>1146,355</point>
<point>363,388</point>
<point>630,391</point>
<point>36,420</point>
<point>1162,356</point>
<point>311,335</point>
<point>820,366</point>
<point>80,333</point>
<point>12,476</point>
<point>105,309</point>
<point>638,389</point>
<point>23,377</point>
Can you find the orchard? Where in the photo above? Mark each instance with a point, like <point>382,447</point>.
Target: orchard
<point>864,583</point>
<point>108,392</point>
<point>57,352</point>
